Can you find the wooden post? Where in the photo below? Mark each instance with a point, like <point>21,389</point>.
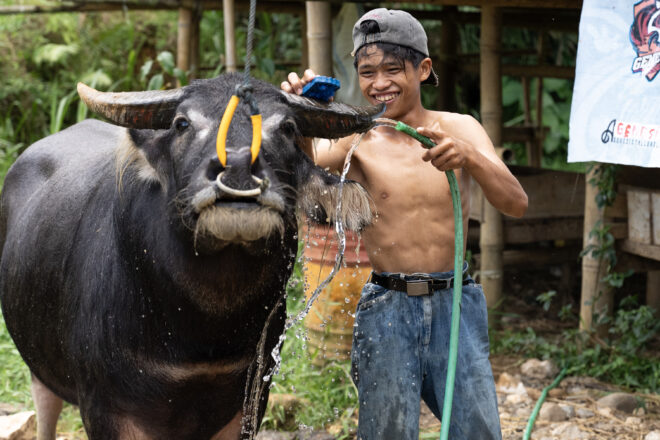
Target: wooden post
<point>446,68</point>
<point>319,37</point>
<point>596,296</point>
<point>491,239</point>
<point>194,39</point>
<point>228,17</point>
<point>524,81</point>
<point>537,147</point>
<point>653,290</point>
<point>183,40</point>
<point>304,60</point>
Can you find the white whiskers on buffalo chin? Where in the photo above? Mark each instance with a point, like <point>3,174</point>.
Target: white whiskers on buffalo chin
<point>356,210</point>
<point>238,225</point>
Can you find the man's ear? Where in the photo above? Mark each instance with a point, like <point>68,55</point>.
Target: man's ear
<point>424,69</point>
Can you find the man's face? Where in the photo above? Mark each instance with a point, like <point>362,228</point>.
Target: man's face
<point>384,80</point>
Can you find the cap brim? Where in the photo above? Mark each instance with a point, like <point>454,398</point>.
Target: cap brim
<point>432,79</point>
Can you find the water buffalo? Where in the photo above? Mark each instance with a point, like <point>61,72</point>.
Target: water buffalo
<point>136,286</point>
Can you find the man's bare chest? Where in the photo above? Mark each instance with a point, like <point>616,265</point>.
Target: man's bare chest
<point>400,178</point>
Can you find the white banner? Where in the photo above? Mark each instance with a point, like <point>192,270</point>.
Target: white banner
<point>615,113</point>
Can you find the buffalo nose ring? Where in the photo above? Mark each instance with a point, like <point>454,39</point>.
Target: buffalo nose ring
<point>263,184</point>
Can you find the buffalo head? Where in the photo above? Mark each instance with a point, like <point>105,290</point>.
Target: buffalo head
<point>171,147</point>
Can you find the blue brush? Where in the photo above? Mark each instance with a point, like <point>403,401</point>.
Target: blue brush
<point>321,88</point>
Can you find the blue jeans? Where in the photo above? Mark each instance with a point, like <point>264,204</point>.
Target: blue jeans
<point>400,352</point>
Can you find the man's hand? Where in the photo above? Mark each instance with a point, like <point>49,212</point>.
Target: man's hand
<point>295,84</point>
<point>449,153</point>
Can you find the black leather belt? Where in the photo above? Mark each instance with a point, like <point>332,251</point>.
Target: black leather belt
<point>415,287</point>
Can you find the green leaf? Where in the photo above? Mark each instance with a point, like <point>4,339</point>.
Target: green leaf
<point>51,54</point>
<point>145,69</point>
<point>166,60</point>
<point>181,76</point>
<point>156,82</point>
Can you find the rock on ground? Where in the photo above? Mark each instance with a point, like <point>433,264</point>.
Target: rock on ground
<point>538,369</point>
<point>620,402</point>
<point>571,410</point>
<point>7,409</point>
<point>19,426</point>
<point>552,412</point>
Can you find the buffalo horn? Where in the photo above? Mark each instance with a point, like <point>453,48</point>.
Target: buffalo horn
<point>331,120</point>
<point>152,109</point>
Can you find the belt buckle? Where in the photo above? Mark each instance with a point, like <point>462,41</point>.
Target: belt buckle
<point>417,287</point>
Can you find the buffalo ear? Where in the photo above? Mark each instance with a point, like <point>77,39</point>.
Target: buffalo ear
<point>330,120</point>
<point>318,200</point>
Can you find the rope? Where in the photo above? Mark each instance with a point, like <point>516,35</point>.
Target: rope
<point>250,40</point>
<point>243,91</point>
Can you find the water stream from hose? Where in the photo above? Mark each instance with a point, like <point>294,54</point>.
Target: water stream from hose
<point>251,404</point>
<point>253,395</point>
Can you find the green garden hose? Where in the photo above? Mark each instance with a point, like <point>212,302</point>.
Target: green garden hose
<point>456,302</point>
<point>539,403</point>
<point>458,286</point>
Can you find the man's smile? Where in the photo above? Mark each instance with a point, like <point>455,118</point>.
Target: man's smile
<point>385,97</point>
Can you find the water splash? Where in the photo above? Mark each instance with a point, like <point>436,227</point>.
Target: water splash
<point>254,393</point>
<point>341,237</point>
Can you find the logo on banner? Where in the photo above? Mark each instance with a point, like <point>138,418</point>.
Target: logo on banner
<point>645,36</point>
<point>631,133</point>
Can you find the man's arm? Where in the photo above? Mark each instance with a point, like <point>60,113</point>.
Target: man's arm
<point>469,147</point>
<point>329,155</point>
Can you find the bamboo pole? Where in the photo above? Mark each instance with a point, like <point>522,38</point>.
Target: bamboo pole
<point>304,59</point>
<point>183,40</point>
<point>229,18</point>
<point>596,297</point>
<point>528,119</point>
<point>196,19</point>
<point>446,69</point>
<point>491,239</point>
<point>565,19</point>
<point>287,7</point>
<point>653,290</point>
<point>537,147</point>
<point>319,37</point>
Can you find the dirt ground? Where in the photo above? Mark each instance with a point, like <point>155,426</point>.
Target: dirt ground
<point>577,413</point>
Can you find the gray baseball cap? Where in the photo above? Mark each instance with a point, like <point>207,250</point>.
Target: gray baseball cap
<point>396,27</point>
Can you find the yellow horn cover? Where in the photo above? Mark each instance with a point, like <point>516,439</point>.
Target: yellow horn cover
<point>221,142</point>
<point>256,136</point>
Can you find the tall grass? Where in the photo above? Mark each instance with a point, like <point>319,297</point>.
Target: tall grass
<point>328,394</point>
<point>15,378</point>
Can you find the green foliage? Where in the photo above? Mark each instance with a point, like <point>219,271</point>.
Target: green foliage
<point>604,178</point>
<point>329,389</point>
<point>621,358</point>
<point>546,299</point>
<point>602,247</point>
<point>520,48</point>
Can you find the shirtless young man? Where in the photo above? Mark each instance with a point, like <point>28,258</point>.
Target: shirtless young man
<point>401,337</point>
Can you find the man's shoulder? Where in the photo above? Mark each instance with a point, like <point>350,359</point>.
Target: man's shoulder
<point>452,118</point>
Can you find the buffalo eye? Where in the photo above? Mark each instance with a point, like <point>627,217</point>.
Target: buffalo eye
<point>288,128</point>
<point>181,124</point>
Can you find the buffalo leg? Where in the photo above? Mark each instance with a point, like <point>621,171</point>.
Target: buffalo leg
<point>48,406</point>
<point>99,425</point>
